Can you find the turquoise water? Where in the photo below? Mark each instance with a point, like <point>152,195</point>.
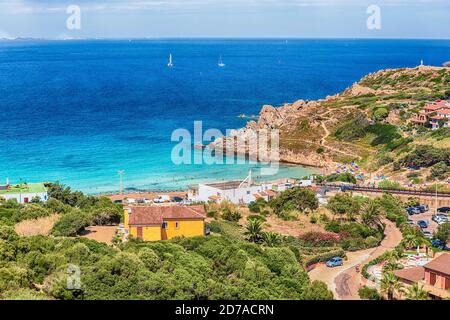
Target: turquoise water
<point>79,111</point>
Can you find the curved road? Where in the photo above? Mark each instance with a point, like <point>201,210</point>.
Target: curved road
<point>344,281</point>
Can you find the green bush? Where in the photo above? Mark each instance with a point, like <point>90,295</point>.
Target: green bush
<point>341,177</point>
<point>231,214</point>
<point>353,128</point>
<point>71,223</point>
<point>31,211</point>
<point>106,216</point>
<point>367,293</point>
<point>257,206</point>
<point>296,199</point>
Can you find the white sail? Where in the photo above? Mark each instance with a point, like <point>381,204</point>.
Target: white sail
<point>221,64</point>
<point>170,64</point>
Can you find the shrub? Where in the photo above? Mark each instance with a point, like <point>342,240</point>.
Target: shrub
<point>215,227</point>
<point>353,128</point>
<point>256,217</point>
<point>333,226</point>
<point>31,211</point>
<point>385,133</point>
<point>231,214</point>
<point>426,156</point>
<point>71,223</point>
<point>389,184</point>
<point>321,239</point>
<point>367,293</point>
<point>256,206</point>
<point>439,171</point>
<point>106,216</point>
<point>296,199</point>
<point>341,177</point>
<point>57,206</point>
<point>443,232</point>
<point>371,242</point>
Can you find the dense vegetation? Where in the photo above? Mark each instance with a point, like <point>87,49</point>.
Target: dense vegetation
<point>225,265</point>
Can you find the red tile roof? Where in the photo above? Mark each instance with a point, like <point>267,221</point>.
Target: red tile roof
<point>445,111</point>
<point>440,264</point>
<point>155,215</point>
<point>433,107</point>
<point>414,274</point>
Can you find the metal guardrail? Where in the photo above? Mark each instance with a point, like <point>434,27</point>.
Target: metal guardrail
<point>382,190</point>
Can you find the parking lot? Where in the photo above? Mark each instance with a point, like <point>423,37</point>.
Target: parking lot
<point>427,216</point>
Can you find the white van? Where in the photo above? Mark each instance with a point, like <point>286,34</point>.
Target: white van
<point>161,199</point>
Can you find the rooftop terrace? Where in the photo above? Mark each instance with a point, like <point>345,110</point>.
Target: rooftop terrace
<point>22,188</point>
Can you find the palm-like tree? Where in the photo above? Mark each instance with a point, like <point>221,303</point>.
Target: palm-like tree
<point>415,239</point>
<point>390,285</point>
<point>416,292</point>
<point>254,230</point>
<point>271,239</point>
<point>371,215</point>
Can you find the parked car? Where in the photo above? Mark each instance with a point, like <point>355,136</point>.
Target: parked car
<point>147,200</point>
<point>428,234</point>
<point>422,224</point>
<point>439,219</point>
<point>411,222</point>
<point>413,210</point>
<point>131,200</point>
<point>422,208</point>
<point>335,262</point>
<point>118,201</point>
<point>177,199</point>
<point>162,199</point>
<point>444,210</point>
<point>440,245</point>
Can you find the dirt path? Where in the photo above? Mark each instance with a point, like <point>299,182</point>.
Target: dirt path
<point>345,281</point>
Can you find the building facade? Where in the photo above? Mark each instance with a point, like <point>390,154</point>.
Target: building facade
<point>233,191</point>
<point>434,276</point>
<point>154,223</point>
<point>434,115</point>
<point>24,193</point>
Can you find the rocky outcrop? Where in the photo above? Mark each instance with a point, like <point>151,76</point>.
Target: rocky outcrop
<point>244,141</point>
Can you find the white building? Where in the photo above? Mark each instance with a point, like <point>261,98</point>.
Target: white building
<point>236,192</point>
<point>24,193</point>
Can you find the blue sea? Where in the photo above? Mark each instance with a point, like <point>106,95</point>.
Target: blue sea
<point>79,111</point>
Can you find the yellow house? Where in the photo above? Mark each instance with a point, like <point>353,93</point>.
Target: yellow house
<point>154,223</point>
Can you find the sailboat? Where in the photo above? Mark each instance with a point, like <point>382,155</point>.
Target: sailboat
<point>170,64</point>
<point>221,64</point>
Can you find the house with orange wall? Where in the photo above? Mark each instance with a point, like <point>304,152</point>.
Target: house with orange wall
<point>154,223</point>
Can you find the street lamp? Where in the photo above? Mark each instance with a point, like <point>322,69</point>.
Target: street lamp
<point>121,174</point>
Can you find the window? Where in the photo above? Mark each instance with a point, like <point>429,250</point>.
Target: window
<point>177,225</point>
<point>164,225</point>
<point>248,192</point>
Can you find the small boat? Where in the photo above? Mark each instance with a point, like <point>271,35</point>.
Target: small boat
<point>221,64</point>
<point>170,64</point>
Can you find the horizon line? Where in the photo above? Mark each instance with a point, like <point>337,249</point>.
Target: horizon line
<point>214,38</point>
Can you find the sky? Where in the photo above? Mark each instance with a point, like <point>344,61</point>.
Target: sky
<point>225,19</point>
